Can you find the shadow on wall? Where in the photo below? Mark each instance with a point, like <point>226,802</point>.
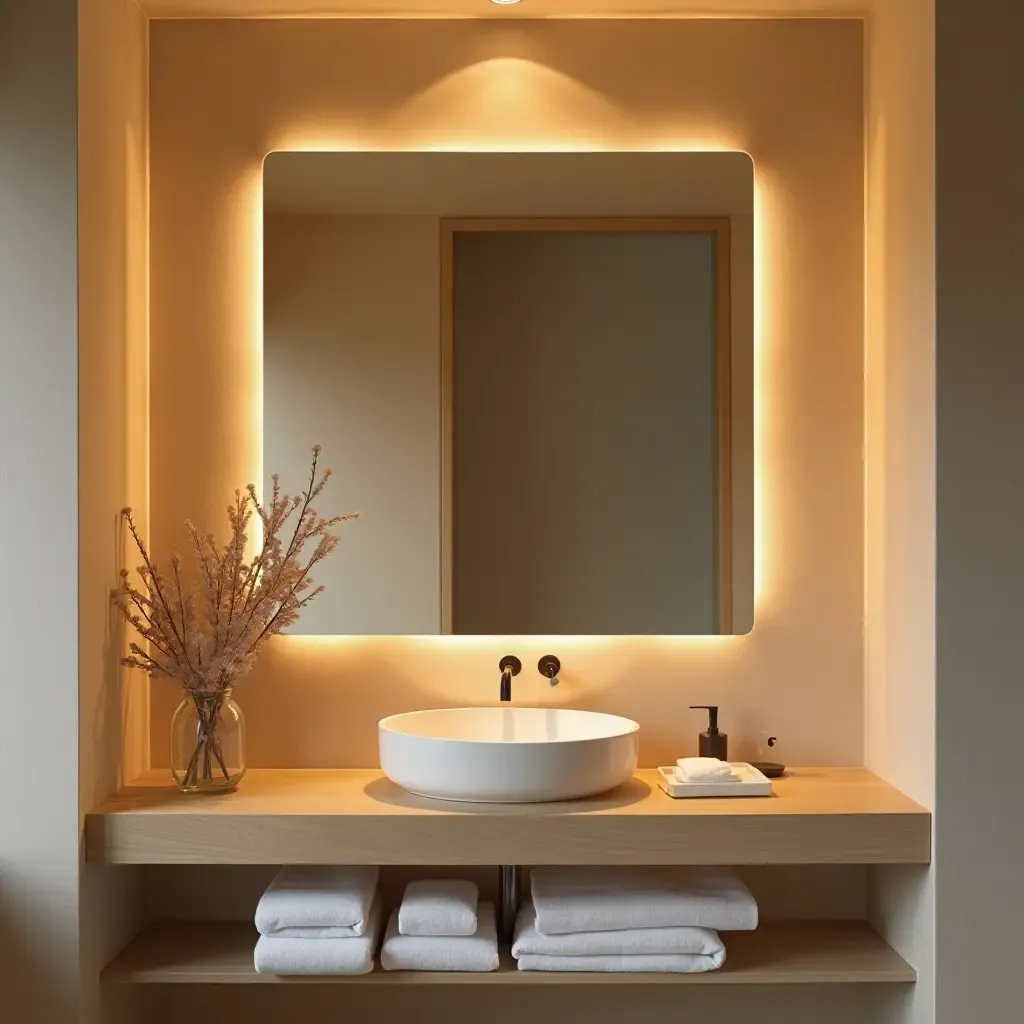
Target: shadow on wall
<point>114,704</point>
<point>27,991</point>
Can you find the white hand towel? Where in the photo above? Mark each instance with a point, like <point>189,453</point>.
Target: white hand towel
<point>274,955</point>
<point>598,899</point>
<point>704,769</point>
<point>643,963</point>
<point>443,906</point>
<point>478,952</point>
<point>627,942</point>
<point>317,902</point>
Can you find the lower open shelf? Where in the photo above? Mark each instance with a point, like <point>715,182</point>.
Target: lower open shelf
<point>778,953</point>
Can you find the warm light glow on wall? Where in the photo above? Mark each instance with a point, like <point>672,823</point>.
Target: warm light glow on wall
<point>256,407</point>
<point>617,657</point>
<point>763,450</point>
<point>533,103</point>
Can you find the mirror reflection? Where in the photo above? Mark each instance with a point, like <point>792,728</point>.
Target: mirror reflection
<point>531,374</point>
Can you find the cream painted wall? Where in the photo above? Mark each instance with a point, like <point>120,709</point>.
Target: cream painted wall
<point>899,371</point>
<point>224,94</point>
<point>112,448</point>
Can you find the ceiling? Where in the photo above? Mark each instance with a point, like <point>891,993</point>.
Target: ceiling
<point>524,9</point>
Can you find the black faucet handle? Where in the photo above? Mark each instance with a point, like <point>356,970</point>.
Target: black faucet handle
<point>549,666</point>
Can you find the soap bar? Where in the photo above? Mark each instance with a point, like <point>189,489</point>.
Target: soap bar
<point>749,782</point>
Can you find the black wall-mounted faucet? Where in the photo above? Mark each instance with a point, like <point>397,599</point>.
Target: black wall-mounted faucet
<point>510,666</point>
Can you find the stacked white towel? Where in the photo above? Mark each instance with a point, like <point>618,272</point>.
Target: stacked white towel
<point>441,926</point>
<point>704,769</point>
<point>318,920</point>
<point>439,907</point>
<point>630,920</point>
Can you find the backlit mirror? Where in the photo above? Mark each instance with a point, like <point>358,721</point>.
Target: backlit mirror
<point>532,376</point>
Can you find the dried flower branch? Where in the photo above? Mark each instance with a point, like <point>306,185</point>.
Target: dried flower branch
<point>208,640</point>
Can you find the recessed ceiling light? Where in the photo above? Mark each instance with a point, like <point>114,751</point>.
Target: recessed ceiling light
<point>504,2</point>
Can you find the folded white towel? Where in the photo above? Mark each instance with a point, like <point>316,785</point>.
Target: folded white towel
<point>478,952</point>
<point>643,963</point>
<point>317,902</point>
<point>704,769</point>
<point>443,906</point>
<point>599,899</point>
<point>354,955</point>
<point>627,942</point>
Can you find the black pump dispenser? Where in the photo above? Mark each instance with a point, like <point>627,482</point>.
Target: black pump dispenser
<point>712,743</point>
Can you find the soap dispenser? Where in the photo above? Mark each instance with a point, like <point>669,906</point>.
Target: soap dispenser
<point>712,743</point>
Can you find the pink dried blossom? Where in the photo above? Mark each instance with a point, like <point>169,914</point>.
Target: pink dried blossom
<point>207,637</point>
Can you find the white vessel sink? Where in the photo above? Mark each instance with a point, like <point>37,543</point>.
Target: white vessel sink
<point>507,755</point>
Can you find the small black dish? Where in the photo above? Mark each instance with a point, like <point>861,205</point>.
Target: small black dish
<point>769,769</point>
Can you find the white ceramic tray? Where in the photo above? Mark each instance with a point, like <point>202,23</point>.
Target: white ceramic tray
<point>751,783</point>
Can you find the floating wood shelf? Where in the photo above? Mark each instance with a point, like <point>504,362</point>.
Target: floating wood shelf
<point>789,953</point>
<point>817,816</point>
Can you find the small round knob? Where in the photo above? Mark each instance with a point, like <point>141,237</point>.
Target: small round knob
<point>549,667</point>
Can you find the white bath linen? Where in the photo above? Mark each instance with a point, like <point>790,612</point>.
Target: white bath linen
<point>477,952</point>
<point>704,769</point>
<point>318,902</point>
<point>627,942</point>
<point>441,906</point>
<point>352,955</point>
<point>600,899</point>
<point>640,963</point>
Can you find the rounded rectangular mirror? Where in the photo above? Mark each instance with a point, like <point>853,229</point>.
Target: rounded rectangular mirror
<point>532,376</point>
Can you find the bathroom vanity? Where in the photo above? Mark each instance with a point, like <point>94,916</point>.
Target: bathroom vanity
<point>816,817</point>
<point>552,432</point>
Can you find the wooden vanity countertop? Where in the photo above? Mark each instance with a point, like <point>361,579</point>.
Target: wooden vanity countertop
<point>353,816</point>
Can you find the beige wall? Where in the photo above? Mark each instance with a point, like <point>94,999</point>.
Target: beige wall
<point>224,94</point>
<point>899,370</point>
<point>112,445</point>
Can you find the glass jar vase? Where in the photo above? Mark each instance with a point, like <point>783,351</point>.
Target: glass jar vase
<point>207,742</point>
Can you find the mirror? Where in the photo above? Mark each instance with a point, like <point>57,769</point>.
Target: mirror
<point>532,376</point>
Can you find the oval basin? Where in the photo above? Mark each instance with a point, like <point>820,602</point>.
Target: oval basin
<point>507,755</point>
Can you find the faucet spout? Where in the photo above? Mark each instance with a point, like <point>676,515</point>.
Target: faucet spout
<point>510,666</point>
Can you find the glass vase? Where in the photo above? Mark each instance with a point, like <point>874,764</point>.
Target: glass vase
<point>207,742</point>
